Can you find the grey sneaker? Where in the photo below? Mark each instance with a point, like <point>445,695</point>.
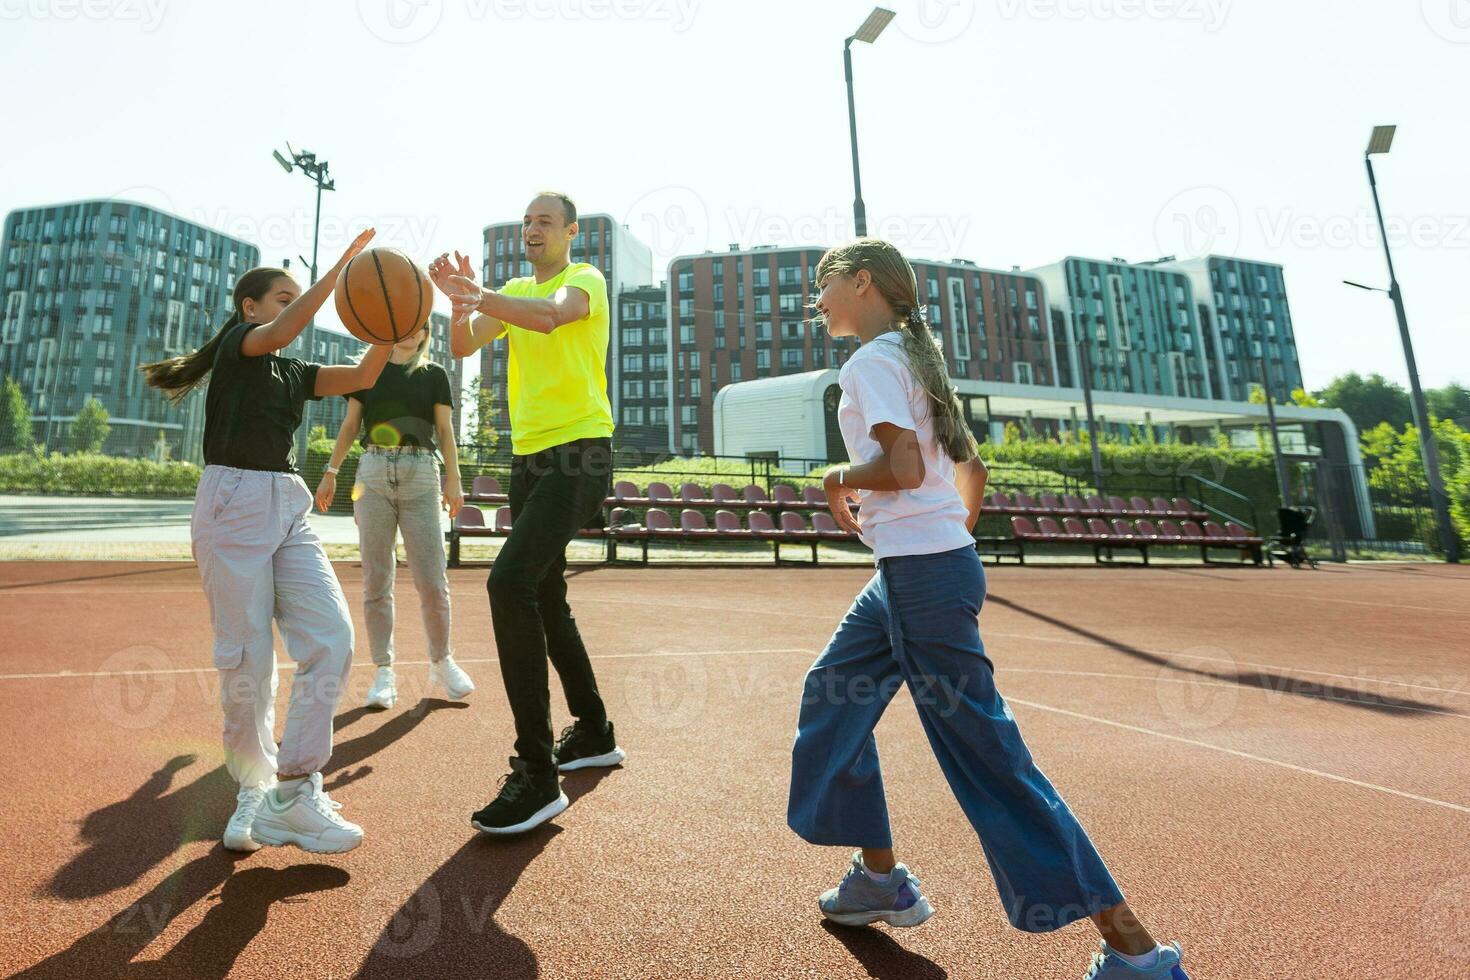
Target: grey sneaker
<point>1108,965</point>
<point>861,901</point>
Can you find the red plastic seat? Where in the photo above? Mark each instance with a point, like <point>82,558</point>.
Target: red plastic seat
<point>1050,503</point>
<point>692,522</point>
<point>470,516</point>
<point>622,525</point>
<point>1138,505</point>
<point>999,503</point>
<point>660,492</point>
<point>1145,529</point>
<point>1024,530</point>
<point>1115,506</point>
<point>1073,504</point>
<point>1095,505</point>
<point>794,524</point>
<point>1027,504</point>
<point>760,524</point>
<point>484,486</point>
<point>784,494</point>
<point>1047,528</point>
<point>814,496</point>
<point>502,518</point>
<point>826,526</point>
<point>659,522</point>
<point>724,493</point>
<point>1075,530</point>
<point>754,494</point>
<point>1169,531</point>
<point>691,491</point>
<point>1191,530</point>
<point>1214,530</point>
<point>1162,507</point>
<point>727,524</point>
<point>1240,534</point>
<point>1122,529</point>
<point>623,490</point>
<point>1184,508</point>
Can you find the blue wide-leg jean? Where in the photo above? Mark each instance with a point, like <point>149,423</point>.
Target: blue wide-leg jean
<point>916,623</point>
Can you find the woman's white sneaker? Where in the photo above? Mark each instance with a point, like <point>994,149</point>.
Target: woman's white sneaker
<point>307,818</point>
<point>448,675</point>
<point>384,692</point>
<point>237,831</point>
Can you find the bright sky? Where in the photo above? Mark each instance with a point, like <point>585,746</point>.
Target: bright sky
<point>1009,132</point>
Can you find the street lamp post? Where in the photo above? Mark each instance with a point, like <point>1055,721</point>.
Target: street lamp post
<point>867,33</point>
<point>1281,482</point>
<point>1093,436</point>
<point>1380,142</point>
<point>315,169</point>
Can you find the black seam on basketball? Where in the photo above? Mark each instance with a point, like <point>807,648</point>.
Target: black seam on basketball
<point>418,281</point>
<point>387,300</point>
<point>351,306</point>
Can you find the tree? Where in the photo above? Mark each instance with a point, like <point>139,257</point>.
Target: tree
<point>1300,397</point>
<point>1368,401</point>
<point>89,430</point>
<point>15,419</point>
<point>1450,402</point>
<point>487,436</point>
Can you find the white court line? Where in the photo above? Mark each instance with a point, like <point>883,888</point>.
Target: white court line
<point>1322,598</point>
<point>1224,660</point>
<point>1245,755</point>
<point>1200,683</point>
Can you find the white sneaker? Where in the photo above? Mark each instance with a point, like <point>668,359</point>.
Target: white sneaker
<point>307,818</point>
<point>448,675</point>
<point>237,831</point>
<point>384,692</point>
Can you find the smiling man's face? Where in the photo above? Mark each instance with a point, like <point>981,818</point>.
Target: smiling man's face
<point>546,234</point>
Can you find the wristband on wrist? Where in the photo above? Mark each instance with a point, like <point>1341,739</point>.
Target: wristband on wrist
<point>332,469</point>
<point>842,477</point>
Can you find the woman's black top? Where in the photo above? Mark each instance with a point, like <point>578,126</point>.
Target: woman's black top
<point>399,409</point>
<point>253,406</point>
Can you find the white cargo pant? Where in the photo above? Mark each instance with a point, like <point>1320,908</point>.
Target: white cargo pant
<point>260,560</point>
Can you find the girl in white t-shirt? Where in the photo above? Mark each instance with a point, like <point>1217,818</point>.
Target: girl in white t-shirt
<point>918,478</point>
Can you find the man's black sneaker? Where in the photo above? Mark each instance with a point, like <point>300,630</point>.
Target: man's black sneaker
<point>582,746</point>
<point>525,801</point>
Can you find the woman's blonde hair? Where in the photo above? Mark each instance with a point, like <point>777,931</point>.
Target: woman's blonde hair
<point>421,356</point>
<point>894,279</point>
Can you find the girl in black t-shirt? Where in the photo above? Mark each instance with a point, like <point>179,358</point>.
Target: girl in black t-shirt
<point>398,490</point>
<point>260,560</point>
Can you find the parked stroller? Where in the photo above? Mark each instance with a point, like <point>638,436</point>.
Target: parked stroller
<point>1289,544</point>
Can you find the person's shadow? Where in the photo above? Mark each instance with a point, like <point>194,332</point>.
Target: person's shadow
<point>210,948</point>
<point>882,956</point>
<point>447,927</point>
<point>127,838</point>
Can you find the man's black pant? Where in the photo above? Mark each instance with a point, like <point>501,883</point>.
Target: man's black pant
<point>553,494</point>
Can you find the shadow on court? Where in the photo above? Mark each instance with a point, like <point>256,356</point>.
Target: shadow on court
<point>882,956</point>
<point>447,926</point>
<point>1278,683</point>
<point>128,838</point>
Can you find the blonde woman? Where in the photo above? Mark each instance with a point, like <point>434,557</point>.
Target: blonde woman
<point>920,482</point>
<point>397,489</point>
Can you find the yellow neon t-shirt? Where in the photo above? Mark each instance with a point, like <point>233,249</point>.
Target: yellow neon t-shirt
<point>556,383</point>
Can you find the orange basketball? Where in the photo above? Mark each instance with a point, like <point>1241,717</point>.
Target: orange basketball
<point>382,296</point>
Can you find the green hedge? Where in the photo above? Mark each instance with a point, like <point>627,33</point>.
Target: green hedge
<point>95,473</point>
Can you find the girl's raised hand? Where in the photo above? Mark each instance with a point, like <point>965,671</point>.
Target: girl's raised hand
<point>358,244</point>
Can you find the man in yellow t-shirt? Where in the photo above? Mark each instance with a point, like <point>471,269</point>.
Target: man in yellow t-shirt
<point>556,323</point>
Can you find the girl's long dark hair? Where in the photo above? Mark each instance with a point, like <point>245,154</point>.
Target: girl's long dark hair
<point>177,376</point>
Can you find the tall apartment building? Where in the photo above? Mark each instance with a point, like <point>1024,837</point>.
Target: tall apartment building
<point>641,393</point>
<point>746,314</point>
<point>91,289</point>
<point>1142,322</point>
<point>625,262</point>
<point>1243,315</point>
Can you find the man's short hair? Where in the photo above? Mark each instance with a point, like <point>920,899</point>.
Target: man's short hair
<point>568,206</point>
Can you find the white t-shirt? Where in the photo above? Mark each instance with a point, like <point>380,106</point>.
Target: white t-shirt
<point>878,386</point>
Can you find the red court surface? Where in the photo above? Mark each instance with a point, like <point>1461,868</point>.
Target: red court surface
<point>1274,764</point>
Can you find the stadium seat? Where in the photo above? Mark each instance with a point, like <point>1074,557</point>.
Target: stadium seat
<point>502,519</point>
<point>814,496</point>
<point>1024,530</point>
<point>485,486</point>
<point>1184,508</point>
<point>1050,503</point>
<point>1140,507</point>
<point>727,524</point>
<point>1145,529</point>
<point>1169,532</point>
<point>1162,508</point>
<point>724,493</point>
<point>794,524</point>
<point>659,523</point>
<point>625,492</point>
<point>754,495</point>
<point>1073,504</point>
<point>1095,505</point>
<point>659,493</point>
<point>692,522</point>
<point>1000,503</point>
<point>785,495</point>
<point>1115,506</point>
<point>826,526</point>
<point>1074,529</point>
<point>470,516</point>
<point>1025,504</point>
<point>691,492</point>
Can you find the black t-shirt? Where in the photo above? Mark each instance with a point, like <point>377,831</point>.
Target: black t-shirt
<point>399,409</point>
<point>253,406</point>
